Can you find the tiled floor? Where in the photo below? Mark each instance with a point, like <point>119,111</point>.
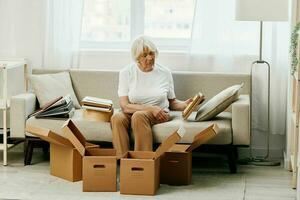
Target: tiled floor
<point>211,181</point>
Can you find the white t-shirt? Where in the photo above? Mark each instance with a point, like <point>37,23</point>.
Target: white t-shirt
<point>148,88</point>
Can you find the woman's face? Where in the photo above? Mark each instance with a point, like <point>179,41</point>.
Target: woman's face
<point>146,61</point>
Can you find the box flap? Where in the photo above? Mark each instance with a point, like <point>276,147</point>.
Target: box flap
<point>48,135</point>
<point>167,144</point>
<point>179,148</point>
<point>204,136</point>
<point>91,145</point>
<point>74,135</point>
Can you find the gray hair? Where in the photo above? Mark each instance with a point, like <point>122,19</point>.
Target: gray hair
<point>140,44</point>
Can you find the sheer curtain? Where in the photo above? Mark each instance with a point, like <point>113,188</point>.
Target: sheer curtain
<point>62,35</point>
<point>221,44</point>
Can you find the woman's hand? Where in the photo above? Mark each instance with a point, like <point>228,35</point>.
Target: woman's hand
<point>160,114</point>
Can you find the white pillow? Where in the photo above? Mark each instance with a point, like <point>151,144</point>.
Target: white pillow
<point>50,86</point>
<point>218,103</point>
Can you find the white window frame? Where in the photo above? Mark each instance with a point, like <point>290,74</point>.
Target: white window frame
<point>137,14</point>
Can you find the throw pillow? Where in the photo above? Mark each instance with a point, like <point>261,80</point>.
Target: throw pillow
<point>50,86</point>
<point>218,103</point>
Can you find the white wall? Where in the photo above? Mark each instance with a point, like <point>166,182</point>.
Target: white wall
<point>22,30</point>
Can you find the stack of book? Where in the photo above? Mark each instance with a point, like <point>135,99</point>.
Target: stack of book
<point>60,107</point>
<point>93,103</point>
<point>97,109</point>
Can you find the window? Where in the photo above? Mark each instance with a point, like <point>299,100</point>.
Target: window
<point>106,20</point>
<point>169,18</point>
<point>114,23</point>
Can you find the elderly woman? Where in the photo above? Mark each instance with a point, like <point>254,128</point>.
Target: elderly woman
<point>146,93</point>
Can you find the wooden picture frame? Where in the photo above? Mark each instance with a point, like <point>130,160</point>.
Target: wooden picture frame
<point>198,99</point>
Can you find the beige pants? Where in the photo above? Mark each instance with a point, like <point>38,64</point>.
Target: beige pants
<point>140,122</point>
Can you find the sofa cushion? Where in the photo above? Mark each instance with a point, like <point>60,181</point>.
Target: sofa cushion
<point>218,103</point>
<point>101,131</point>
<point>223,120</point>
<point>50,86</point>
<point>92,130</point>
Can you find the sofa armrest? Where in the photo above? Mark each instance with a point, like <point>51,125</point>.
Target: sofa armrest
<point>241,121</point>
<point>21,106</point>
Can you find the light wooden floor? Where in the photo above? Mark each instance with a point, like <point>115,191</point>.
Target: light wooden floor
<point>211,181</point>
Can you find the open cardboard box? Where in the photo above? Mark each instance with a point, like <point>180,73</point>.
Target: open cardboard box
<point>139,170</point>
<point>65,161</point>
<point>99,171</point>
<point>100,116</point>
<point>176,163</point>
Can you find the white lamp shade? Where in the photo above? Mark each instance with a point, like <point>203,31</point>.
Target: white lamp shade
<point>261,10</point>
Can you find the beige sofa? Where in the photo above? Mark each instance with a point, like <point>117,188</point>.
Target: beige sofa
<point>234,123</point>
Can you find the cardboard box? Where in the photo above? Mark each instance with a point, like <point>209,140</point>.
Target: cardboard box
<point>65,161</point>
<point>99,165</point>
<point>95,115</point>
<point>176,163</point>
<point>139,170</point>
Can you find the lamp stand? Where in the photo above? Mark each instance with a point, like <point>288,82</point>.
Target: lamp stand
<point>261,160</point>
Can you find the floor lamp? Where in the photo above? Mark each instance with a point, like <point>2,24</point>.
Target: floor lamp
<point>261,10</point>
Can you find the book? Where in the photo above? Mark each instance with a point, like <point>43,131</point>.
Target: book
<point>97,108</point>
<point>60,115</point>
<point>46,106</point>
<point>95,105</point>
<point>97,102</point>
<point>58,109</point>
<point>197,100</point>
<point>62,108</point>
<point>63,101</point>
